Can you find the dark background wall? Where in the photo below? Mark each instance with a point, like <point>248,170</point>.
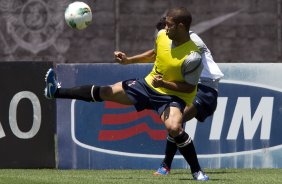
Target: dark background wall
<point>235,31</point>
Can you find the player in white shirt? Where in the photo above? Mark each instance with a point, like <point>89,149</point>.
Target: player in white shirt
<point>205,101</point>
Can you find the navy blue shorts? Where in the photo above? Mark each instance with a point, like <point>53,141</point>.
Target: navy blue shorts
<point>144,97</point>
<point>205,102</point>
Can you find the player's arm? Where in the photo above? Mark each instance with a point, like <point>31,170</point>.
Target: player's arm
<point>191,70</point>
<point>145,57</point>
<point>198,41</point>
<point>172,85</point>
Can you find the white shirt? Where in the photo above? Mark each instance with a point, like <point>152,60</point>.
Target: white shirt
<point>211,74</point>
<point>211,69</point>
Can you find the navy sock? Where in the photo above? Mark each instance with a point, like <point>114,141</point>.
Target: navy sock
<point>170,151</point>
<point>187,149</point>
<point>86,93</point>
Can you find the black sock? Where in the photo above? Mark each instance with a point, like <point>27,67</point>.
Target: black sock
<point>86,93</point>
<point>187,149</point>
<point>170,151</point>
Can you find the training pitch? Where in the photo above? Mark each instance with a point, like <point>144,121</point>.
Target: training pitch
<point>50,176</point>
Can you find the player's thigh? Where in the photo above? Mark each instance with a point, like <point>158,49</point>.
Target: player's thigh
<point>189,113</point>
<point>172,118</point>
<point>115,93</point>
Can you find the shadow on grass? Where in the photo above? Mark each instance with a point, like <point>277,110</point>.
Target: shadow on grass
<point>207,172</point>
<point>211,179</point>
<point>221,172</point>
<point>166,178</point>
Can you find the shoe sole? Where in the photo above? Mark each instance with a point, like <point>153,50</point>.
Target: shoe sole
<point>159,174</point>
<point>47,74</point>
<point>46,88</point>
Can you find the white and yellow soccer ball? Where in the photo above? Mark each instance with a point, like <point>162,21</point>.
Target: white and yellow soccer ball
<point>78,15</point>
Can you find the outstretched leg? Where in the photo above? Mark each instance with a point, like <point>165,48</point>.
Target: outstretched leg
<point>89,93</point>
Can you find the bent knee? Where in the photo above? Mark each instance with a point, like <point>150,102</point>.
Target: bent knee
<point>174,129</point>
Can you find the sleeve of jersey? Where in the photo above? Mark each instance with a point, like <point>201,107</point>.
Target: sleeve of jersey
<point>191,68</point>
<point>157,39</point>
<point>198,41</point>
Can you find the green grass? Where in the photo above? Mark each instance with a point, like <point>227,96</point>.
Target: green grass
<point>44,176</point>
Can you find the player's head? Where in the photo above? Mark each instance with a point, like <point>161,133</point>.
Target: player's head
<point>178,20</point>
<point>161,24</point>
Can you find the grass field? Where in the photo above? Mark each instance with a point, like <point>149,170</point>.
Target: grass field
<point>44,176</point>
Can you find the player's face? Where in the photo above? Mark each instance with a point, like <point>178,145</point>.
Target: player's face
<point>171,28</point>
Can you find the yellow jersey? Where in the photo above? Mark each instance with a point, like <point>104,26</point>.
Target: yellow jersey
<point>168,63</point>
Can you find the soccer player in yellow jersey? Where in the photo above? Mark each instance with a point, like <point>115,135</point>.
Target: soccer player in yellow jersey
<point>205,102</point>
<point>167,89</point>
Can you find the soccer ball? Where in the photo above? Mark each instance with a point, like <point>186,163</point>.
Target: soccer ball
<point>78,15</point>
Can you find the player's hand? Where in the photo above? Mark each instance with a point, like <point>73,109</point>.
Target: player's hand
<point>120,57</point>
<point>157,81</point>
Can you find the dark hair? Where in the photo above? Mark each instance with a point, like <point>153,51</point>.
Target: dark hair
<point>181,15</point>
<point>161,24</point>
